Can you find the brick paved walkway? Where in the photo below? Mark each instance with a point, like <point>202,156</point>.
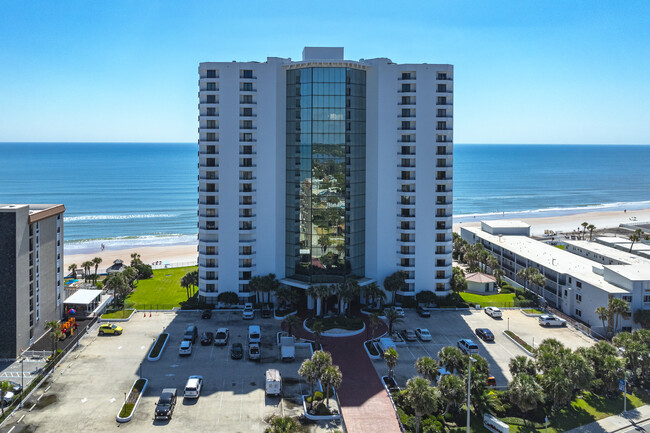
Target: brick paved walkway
<point>365,405</point>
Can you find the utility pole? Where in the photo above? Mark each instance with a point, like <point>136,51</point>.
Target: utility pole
<point>469,383</point>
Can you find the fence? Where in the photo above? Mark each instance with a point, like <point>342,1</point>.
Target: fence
<point>174,265</point>
<point>36,354</point>
<point>582,327</point>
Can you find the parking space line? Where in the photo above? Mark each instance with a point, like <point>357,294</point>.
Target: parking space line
<point>407,348</point>
<point>12,429</point>
<point>425,349</point>
<point>21,418</point>
<point>241,398</point>
<point>223,391</point>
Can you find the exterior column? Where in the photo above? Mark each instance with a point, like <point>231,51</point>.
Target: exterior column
<point>318,306</point>
<point>310,302</point>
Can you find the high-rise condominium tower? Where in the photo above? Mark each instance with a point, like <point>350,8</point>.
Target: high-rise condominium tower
<point>322,170</point>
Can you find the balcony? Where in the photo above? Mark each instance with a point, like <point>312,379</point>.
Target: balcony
<point>207,154</point>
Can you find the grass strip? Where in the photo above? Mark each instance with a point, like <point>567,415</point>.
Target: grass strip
<point>520,341</point>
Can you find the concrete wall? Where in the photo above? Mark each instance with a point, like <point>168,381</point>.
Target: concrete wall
<point>8,285</point>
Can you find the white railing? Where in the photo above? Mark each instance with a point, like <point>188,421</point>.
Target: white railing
<point>165,265</point>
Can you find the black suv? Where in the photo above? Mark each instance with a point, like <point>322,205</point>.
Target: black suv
<point>266,312</point>
<point>166,404</point>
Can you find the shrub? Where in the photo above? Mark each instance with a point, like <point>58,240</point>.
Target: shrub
<point>520,341</point>
<point>157,347</point>
<point>409,302</point>
<point>99,285</point>
<point>426,297</point>
<point>371,348</point>
<point>126,410</point>
<point>318,396</point>
<point>144,271</point>
<point>507,288</point>
<point>228,298</point>
<point>321,409</point>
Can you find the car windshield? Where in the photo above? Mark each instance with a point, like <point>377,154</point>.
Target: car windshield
<point>185,344</point>
<point>165,399</point>
<point>221,335</point>
<point>255,335</point>
<point>113,326</point>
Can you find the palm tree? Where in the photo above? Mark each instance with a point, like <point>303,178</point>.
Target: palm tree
<point>87,265</point>
<point>451,358</point>
<point>522,364</point>
<point>321,361</point>
<point>392,317</point>
<point>319,293</point>
<point>498,274</point>
<point>453,390</point>
<point>135,260</point>
<point>603,315</point>
<point>351,292</point>
<point>96,261</point>
<point>255,285</point>
<point>525,393</point>
<point>557,387</point>
<point>428,368</point>
<point>422,398</point>
<point>373,324</point>
<point>579,371</point>
<point>531,275</point>
<point>372,292</point>
<point>73,268</point>
<point>591,229</point>
<point>4,387</point>
<point>331,379</point>
<point>292,323</point>
<point>186,285</point>
<point>619,309</point>
<point>486,401</point>
<point>395,282</point>
<point>270,284</point>
<point>55,333</point>
<point>391,356</point>
<point>310,373</point>
<point>584,229</point>
<point>317,329</point>
<point>283,424</point>
<point>636,237</point>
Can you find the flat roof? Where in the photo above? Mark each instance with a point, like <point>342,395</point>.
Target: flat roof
<point>610,252</point>
<point>506,224</point>
<point>83,296</point>
<point>625,243</point>
<point>631,272</point>
<point>550,257</point>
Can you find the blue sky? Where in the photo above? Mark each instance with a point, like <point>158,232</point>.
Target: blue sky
<point>525,71</point>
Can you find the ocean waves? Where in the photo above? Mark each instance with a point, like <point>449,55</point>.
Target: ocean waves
<point>127,242</point>
<point>117,217</point>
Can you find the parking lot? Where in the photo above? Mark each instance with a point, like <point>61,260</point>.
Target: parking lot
<point>447,327</point>
<point>86,391</point>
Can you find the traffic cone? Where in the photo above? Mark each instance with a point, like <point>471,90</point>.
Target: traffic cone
<point>149,313</point>
<point>145,314</point>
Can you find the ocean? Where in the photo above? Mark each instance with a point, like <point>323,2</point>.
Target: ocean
<point>132,194</point>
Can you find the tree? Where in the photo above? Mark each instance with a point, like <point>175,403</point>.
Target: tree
<point>525,393</point>
<point>584,229</point>
<point>373,324</point>
<point>255,285</point>
<point>487,402</point>
<point>549,354</point>
<point>325,242</point>
<point>73,268</point>
<point>269,284</point>
<point>422,398</point>
<point>87,265</point>
<point>392,317</point>
<point>531,275</point>
<point>591,229</point>
<point>636,353</point>
<point>636,237</point>
<point>319,293</point>
<point>522,364</point>
<point>283,424</point>
<point>395,282</point>
<point>557,387</point>
<point>55,333</point>
<point>96,262</point>
<point>498,274</point>
<point>603,315</point>
<point>451,358</point>
<point>309,371</point>
<point>579,371</point>
<point>428,368</point>
<point>373,292</point>
<point>619,309</point>
<point>118,285</point>
<point>391,356</point>
<point>480,373</point>
<point>186,285</point>
<point>458,282</point>
<point>331,379</point>
<point>321,361</point>
<point>453,390</point>
<point>351,291</point>
<point>317,329</point>
<point>292,323</point>
<point>135,260</point>
<point>4,388</point>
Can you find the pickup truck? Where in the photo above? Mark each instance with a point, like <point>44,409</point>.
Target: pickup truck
<point>549,320</point>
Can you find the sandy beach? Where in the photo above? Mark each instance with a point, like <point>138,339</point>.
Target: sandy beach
<point>569,223</point>
<point>186,254</point>
<point>173,255</point>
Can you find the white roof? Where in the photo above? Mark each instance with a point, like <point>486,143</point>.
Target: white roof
<point>632,272</point>
<point>273,375</point>
<point>83,296</point>
<point>610,252</point>
<point>551,257</point>
<point>506,224</point>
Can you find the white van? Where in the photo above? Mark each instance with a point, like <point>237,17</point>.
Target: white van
<point>273,382</point>
<point>254,334</point>
<point>385,344</point>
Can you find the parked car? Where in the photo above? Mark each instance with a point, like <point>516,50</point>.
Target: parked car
<point>266,312</point>
<point>166,404</point>
<point>222,337</point>
<point>400,311</point>
<point>422,312</point>
<point>248,313</point>
<point>254,352</point>
<point>237,351</point>
<point>191,334</point>
<point>551,320</point>
<point>193,387</point>
<point>273,384</point>
<point>423,334</point>
<point>485,334</point>
<point>16,388</point>
<point>467,346</point>
<point>7,399</point>
<point>409,335</point>
<point>254,334</point>
<point>110,329</point>
<point>207,314</point>
<point>185,348</point>
<point>491,381</point>
<point>493,312</point>
<point>207,338</point>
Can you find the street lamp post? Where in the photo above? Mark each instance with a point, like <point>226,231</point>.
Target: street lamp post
<point>469,383</point>
<point>22,380</point>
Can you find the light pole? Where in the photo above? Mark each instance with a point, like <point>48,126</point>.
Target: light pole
<point>22,380</point>
<point>469,383</point>
<point>546,424</point>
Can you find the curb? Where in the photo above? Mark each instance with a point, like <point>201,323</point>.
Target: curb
<point>156,358</point>
<point>118,418</point>
<point>285,316</point>
<point>320,417</point>
<point>373,357</point>
<point>326,334</point>
<point>519,345</point>
<point>119,320</point>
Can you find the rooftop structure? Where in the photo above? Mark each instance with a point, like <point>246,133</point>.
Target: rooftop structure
<point>506,227</point>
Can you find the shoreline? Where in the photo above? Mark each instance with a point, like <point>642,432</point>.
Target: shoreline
<point>184,253</point>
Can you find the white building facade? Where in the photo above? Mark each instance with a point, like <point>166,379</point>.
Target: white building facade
<point>324,169</point>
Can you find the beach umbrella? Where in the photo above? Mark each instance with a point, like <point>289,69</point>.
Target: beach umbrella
<point>72,311</point>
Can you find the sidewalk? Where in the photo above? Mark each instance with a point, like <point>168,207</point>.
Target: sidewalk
<point>616,422</point>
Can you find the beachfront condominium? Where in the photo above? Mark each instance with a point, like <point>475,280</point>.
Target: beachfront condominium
<point>31,278</point>
<point>322,170</point>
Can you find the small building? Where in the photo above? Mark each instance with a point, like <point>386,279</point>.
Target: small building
<point>506,227</point>
<point>117,267</point>
<point>478,282</point>
<point>84,302</point>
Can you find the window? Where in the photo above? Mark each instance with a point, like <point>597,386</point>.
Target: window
<point>246,87</point>
<point>646,299</point>
<point>211,86</point>
<point>247,73</point>
<point>578,298</point>
<point>578,284</point>
<point>211,73</point>
<point>578,313</point>
<point>248,111</point>
<point>211,99</point>
<point>406,88</point>
<point>246,99</point>
<point>627,298</point>
<point>211,111</point>
<point>441,88</point>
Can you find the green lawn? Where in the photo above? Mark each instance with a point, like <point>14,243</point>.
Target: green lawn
<point>499,300</point>
<point>120,314</point>
<point>532,311</point>
<point>163,291</point>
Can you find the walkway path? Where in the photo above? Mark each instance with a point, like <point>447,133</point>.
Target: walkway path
<point>617,422</point>
<point>365,405</point>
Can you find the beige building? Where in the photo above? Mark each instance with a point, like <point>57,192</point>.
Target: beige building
<point>480,283</point>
